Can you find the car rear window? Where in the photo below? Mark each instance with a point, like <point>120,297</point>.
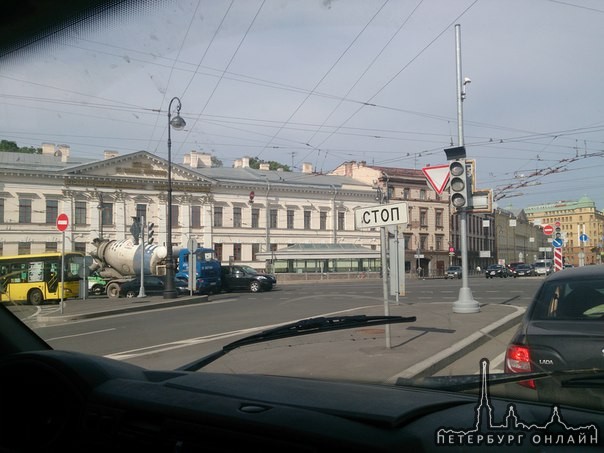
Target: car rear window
<point>570,300</point>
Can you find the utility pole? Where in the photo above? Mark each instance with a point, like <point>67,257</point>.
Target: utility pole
<point>465,303</point>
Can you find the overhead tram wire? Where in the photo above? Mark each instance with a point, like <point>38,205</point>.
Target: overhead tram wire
<point>365,71</point>
<point>241,41</point>
<point>368,102</point>
<point>165,93</point>
<point>331,68</point>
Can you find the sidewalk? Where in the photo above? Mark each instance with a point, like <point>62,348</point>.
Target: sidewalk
<point>416,348</point>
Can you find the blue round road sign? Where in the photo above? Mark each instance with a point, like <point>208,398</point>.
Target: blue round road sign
<point>583,238</point>
<point>557,243</point>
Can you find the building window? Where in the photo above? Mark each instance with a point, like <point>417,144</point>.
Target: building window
<point>408,245</point>
<point>237,217</point>
<point>175,212</point>
<point>307,220</point>
<point>423,217</point>
<point>322,220</point>
<point>406,193</point>
<point>80,213</point>
<point>24,248</point>
<point>218,250</point>
<point>438,218</point>
<point>255,217</point>
<point>141,211</point>
<point>217,216</point>
<point>50,247</point>
<point>341,218</point>
<point>423,241</point>
<point>422,194</point>
<point>273,218</point>
<point>196,216</point>
<point>237,252</point>
<point>79,247</point>
<point>290,219</point>
<point>255,251</point>
<point>106,213</point>
<point>25,210</point>
<point>52,211</point>
<point>1,210</point>
<point>439,242</point>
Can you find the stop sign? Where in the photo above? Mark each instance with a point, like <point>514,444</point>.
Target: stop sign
<point>62,222</point>
<point>548,229</point>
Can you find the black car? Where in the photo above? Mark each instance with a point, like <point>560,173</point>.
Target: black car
<point>523,270</point>
<point>496,270</point>
<point>247,278</point>
<point>563,328</point>
<point>154,286</point>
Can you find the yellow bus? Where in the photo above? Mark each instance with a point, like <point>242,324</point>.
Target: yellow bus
<point>36,278</point>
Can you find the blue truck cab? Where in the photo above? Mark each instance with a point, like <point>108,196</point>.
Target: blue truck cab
<point>207,275</point>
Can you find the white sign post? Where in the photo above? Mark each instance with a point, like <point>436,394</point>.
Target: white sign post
<point>62,224</point>
<point>381,216</point>
<point>192,245</point>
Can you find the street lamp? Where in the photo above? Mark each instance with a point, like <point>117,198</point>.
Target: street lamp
<point>178,124</point>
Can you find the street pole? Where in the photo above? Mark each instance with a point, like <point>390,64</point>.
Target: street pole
<point>141,291</point>
<point>465,303</point>
<point>177,123</point>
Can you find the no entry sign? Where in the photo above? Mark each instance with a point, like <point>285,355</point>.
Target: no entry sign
<point>62,222</point>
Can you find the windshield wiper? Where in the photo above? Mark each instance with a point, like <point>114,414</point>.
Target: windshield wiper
<point>302,327</point>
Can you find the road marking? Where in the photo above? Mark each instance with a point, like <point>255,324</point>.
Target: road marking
<point>81,334</point>
<point>148,350</point>
<point>496,365</point>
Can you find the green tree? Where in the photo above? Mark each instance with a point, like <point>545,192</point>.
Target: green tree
<point>273,165</point>
<point>7,146</point>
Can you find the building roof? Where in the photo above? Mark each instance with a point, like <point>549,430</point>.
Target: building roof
<point>321,251</point>
<point>583,202</point>
<point>275,177</point>
<point>38,162</point>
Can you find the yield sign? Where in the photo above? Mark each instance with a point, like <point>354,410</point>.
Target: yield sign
<point>437,176</point>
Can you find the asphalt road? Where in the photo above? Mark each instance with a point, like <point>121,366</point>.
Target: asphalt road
<point>167,338</point>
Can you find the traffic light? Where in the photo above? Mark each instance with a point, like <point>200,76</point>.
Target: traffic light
<point>150,232</point>
<point>458,180</point>
<point>558,234</point>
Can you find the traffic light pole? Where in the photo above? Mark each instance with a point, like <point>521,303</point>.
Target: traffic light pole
<point>141,291</point>
<point>465,302</point>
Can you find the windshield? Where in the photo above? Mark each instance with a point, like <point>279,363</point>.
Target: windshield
<point>249,270</point>
<point>310,142</point>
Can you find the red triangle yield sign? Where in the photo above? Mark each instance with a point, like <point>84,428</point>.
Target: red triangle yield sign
<point>437,176</point>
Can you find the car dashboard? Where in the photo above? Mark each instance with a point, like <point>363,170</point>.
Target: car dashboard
<point>66,401</point>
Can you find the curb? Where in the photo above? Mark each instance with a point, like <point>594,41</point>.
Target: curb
<point>449,355</point>
<point>144,305</point>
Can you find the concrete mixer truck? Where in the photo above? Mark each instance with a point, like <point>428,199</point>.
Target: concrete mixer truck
<point>119,261</point>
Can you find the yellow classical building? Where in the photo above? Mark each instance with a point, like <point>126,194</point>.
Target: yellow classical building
<point>581,225</point>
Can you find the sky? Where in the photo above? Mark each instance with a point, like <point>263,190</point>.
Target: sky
<point>326,82</point>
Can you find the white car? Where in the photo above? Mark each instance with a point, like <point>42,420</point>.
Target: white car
<point>542,268</point>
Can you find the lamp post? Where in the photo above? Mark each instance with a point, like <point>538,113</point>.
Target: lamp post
<point>178,124</point>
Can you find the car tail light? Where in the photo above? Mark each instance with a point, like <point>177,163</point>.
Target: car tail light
<point>518,360</point>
